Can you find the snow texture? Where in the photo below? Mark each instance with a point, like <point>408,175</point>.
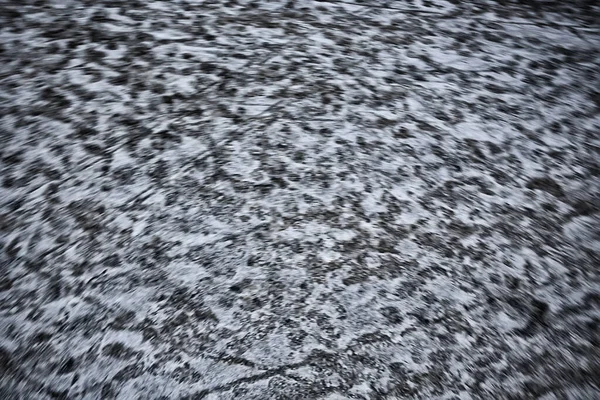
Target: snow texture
<point>299,200</point>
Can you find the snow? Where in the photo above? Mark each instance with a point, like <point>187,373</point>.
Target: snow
<point>317,199</point>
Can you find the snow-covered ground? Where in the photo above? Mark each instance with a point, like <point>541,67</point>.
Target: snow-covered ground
<point>299,200</point>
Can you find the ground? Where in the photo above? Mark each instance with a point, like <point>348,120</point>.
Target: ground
<point>299,200</point>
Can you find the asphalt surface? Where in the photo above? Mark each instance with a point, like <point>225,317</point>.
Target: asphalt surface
<point>299,200</point>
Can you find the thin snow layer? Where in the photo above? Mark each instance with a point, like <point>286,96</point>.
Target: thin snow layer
<point>303,199</point>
